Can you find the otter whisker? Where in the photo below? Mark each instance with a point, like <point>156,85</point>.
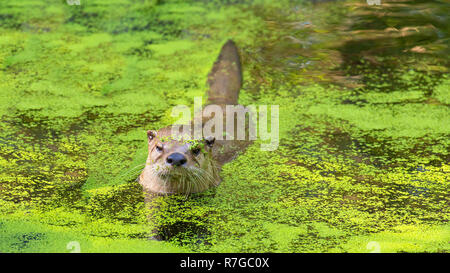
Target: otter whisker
<point>128,172</point>
<point>201,179</point>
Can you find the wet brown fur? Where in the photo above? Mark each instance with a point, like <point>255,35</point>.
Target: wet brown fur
<point>225,81</point>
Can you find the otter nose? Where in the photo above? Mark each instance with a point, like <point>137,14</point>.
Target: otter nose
<point>176,159</point>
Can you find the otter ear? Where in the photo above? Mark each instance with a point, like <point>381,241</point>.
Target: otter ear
<point>210,141</point>
<point>151,135</point>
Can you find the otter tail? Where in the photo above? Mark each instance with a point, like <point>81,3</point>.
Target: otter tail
<point>225,78</point>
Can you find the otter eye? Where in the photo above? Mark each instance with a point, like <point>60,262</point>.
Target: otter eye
<point>196,151</point>
<point>159,148</point>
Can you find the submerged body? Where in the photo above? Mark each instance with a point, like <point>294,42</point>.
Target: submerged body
<point>176,165</point>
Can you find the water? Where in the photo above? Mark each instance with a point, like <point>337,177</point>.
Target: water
<point>363,152</point>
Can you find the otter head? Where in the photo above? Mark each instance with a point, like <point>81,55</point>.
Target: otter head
<point>175,165</point>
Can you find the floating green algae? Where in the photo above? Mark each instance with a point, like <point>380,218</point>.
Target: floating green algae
<point>354,166</point>
<point>363,157</point>
<point>88,81</point>
<point>23,236</point>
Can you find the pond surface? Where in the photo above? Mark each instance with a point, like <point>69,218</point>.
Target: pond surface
<point>364,125</point>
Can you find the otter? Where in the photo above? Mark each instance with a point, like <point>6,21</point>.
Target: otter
<point>177,166</point>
